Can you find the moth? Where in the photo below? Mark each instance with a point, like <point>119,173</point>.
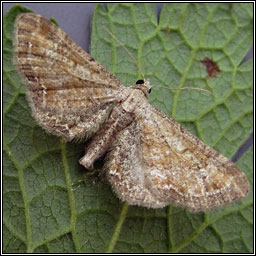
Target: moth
<point>151,161</point>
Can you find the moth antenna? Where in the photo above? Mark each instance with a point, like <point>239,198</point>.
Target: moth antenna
<point>127,51</point>
<point>140,70</point>
<point>184,88</point>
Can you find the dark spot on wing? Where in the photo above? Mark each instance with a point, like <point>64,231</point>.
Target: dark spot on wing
<point>91,58</point>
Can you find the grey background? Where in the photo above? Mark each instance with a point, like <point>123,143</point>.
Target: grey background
<point>75,20</point>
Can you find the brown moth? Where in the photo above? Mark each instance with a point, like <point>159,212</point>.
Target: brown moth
<point>152,161</point>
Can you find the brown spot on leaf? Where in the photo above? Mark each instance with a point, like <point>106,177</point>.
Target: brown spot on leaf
<point>211,67</point>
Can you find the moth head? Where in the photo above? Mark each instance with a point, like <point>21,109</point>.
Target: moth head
<point>144,85</point>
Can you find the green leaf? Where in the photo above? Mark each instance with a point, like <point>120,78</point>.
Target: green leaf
<point>46,207</point>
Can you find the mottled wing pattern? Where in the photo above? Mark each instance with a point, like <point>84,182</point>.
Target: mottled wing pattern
<point>155,162</point>
<point>69,92</point>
